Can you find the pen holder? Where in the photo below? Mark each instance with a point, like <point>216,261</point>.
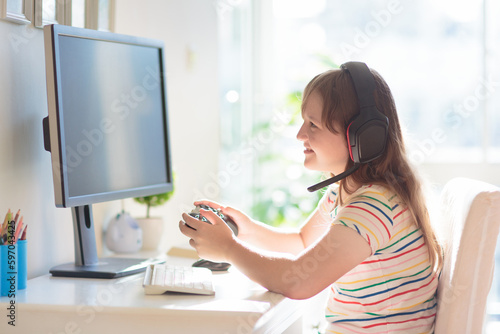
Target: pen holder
<point>22,265</point>
<point>8,269</point>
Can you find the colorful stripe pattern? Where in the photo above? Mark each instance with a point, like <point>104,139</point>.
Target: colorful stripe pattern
<point>394,289</point>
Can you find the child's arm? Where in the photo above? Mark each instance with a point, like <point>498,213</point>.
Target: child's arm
<point>302,276</point>
<point>270,238</point>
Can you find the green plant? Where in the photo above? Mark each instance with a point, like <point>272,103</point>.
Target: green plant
<point>154,200</point>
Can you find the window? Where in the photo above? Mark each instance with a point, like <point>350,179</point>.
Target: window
<point>91,14</point>
<point>256,127</point>
<point>435,55</point>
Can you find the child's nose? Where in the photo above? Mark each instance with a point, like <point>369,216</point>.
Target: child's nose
<point>301,135</point>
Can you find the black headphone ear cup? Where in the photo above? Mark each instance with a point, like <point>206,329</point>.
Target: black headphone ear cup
<point>367,132</point>
<point>367,136</point>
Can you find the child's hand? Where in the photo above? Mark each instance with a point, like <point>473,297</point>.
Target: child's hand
<point>211,240</point>
<point>243,222</point>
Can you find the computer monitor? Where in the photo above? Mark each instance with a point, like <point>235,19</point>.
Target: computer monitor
<point>106,129</point>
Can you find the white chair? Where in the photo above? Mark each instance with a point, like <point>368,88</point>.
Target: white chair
<point>469,230</point>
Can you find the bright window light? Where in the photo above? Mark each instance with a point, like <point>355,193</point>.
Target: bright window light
<point>298,8</point>
<point>232,96</point>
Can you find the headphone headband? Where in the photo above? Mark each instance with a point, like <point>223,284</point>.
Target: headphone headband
<point>363,81</point>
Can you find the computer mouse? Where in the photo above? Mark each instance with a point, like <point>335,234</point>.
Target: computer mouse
<point>213,266</point>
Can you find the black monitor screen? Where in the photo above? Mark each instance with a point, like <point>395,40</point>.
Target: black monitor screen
<point>113,119</point>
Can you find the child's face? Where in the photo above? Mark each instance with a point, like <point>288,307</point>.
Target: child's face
<point>324,150</point>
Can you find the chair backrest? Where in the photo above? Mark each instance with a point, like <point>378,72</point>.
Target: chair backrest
<point>470,225</point>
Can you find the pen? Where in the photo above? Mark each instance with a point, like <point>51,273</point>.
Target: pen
<point>18,229</point>
<point>3,233</point>
<point>10,232</point>
<point>17,217</point>
<point>23,236</point>
<point>8,217</point>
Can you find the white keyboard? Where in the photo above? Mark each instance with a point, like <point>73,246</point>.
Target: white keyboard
<point>161,278</point>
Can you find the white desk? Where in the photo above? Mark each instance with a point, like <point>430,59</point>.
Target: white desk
<point>73,305</point>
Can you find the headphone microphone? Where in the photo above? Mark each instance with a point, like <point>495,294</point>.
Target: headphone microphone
<point>367,132</point>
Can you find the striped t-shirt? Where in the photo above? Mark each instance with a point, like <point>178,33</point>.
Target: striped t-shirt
<point>392,291</point>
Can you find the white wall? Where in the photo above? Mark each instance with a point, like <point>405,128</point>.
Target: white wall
<point>25,169</point>
<point>189,31</point>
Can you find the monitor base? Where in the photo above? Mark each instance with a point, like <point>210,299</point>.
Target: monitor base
<point>109,267</point>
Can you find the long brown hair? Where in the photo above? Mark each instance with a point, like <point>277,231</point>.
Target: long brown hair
<point>393,170</point>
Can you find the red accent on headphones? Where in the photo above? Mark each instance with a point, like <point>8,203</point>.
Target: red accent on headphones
<point>349,142</point>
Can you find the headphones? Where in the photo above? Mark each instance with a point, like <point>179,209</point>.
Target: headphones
<point>367,131</point>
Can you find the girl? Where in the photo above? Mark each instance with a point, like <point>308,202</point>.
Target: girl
<point>369,240</point>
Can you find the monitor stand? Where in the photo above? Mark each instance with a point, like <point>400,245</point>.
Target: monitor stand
<point>87,264</point>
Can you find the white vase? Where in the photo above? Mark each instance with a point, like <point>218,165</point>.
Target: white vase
<point>123,234</point>
<point>152,231</point>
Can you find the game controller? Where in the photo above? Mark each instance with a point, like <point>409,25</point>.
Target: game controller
<point>229,222</point>
<point>213,266</point>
